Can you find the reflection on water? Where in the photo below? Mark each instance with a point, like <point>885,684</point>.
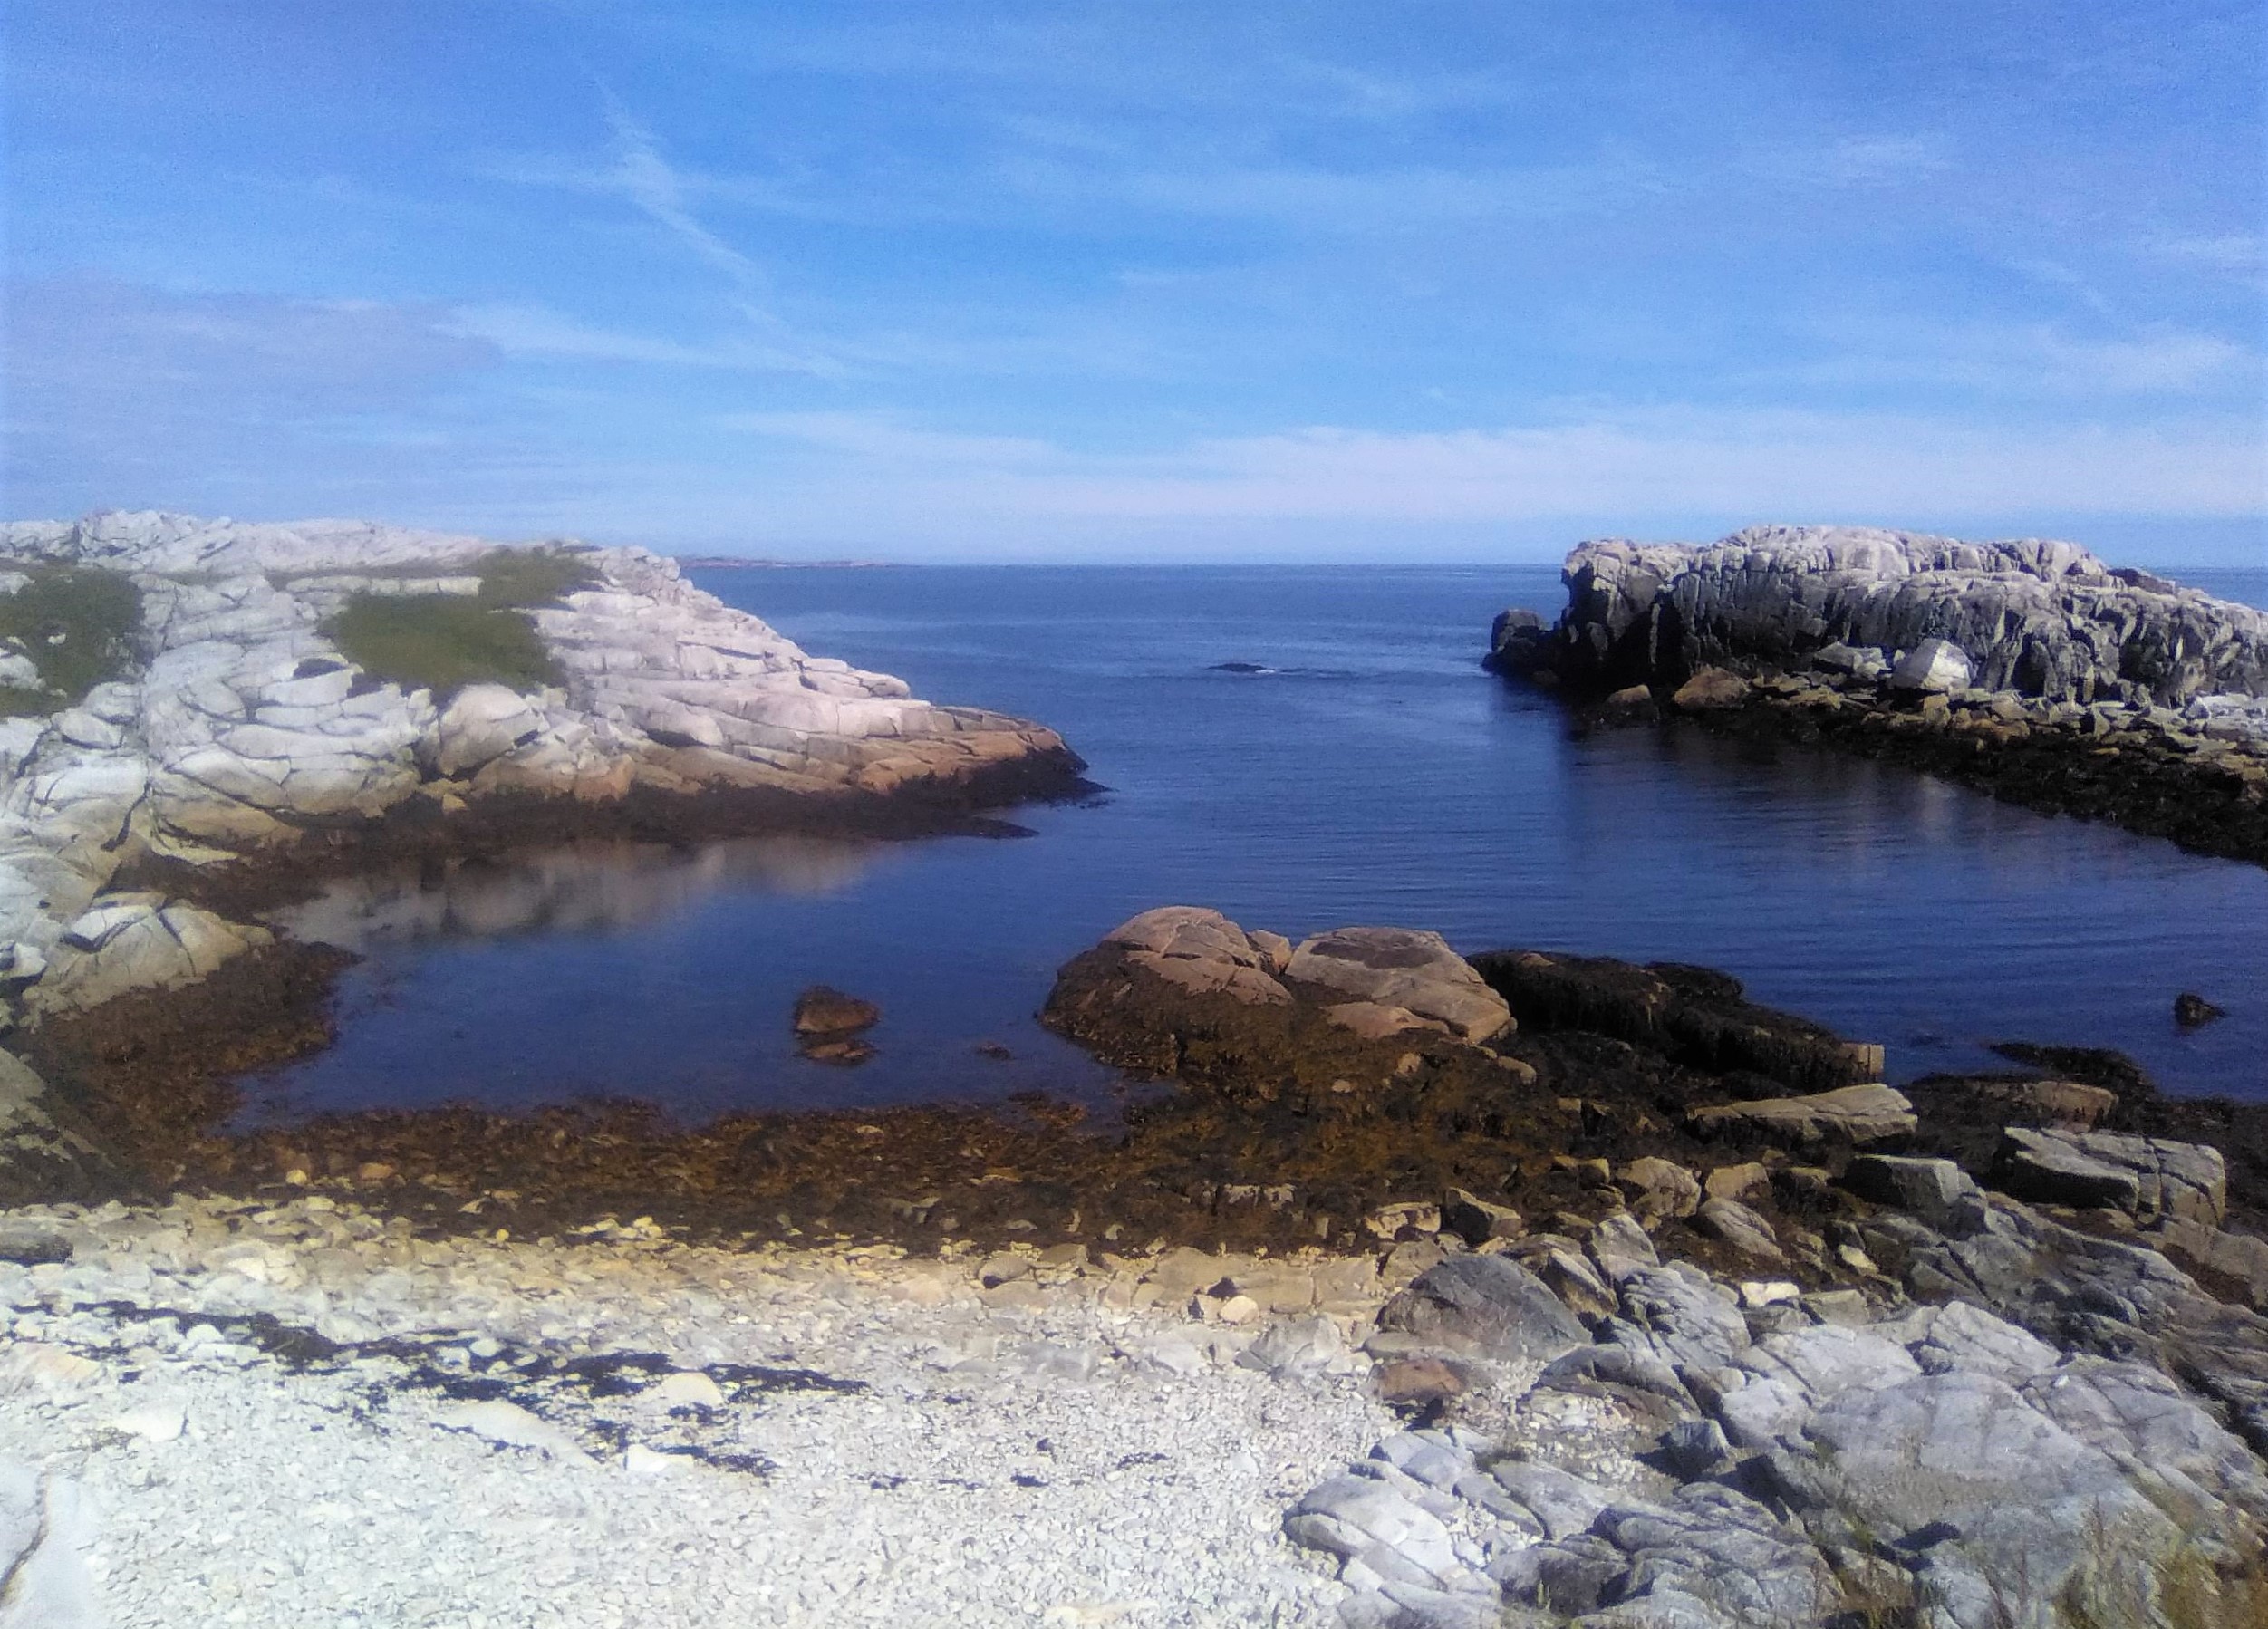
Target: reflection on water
<point>577,887</point>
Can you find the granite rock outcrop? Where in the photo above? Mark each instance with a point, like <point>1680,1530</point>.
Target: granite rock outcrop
<point>242,726</point>
<point>2040,618</point>
<point>2064,1432</point>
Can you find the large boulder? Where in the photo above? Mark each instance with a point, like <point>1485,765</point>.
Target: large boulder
<point>1200,951</point>
<point>2018,1506</point>
<point>1404,967</point>
<point>1486,1306</point>
<point>484,721</point>
<point>1864,1113</point>
<point>2151,1179</point>
<point>1935,666</point>
<point>1930,1188</point>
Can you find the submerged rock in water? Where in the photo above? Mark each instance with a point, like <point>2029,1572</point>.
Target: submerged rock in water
<point>2192,1011</point>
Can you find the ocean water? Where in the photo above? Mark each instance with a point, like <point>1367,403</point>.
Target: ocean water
<point>1368,771</point>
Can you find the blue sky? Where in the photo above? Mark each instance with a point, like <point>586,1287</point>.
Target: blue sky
<point>1217,280</point>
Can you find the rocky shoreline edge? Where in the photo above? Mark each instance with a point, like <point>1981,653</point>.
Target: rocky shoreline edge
<point>2032,671</point>
<point>1530,1289</point>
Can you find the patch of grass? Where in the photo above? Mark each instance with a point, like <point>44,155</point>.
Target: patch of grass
<point>441,643</point>
<point>78,624</point>
<point>520,579</point>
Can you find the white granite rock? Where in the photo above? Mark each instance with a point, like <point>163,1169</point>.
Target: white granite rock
<point>248,725</point>
<point>2042,618</point>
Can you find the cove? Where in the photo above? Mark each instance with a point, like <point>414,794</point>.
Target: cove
<point>1349,763</point>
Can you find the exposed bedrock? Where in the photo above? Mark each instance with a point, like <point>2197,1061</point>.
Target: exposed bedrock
<point>240,723</point>
<point>1705,1349</point>
<point>2039,618</point>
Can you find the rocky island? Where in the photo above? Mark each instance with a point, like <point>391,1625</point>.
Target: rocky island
<point>2029,669</point>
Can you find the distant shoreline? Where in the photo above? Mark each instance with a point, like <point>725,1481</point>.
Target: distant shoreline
<point>720,562</point>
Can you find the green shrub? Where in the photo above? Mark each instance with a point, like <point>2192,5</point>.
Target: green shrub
<point>79,625</point>
<point>441,643</point>
<point>520,579</point>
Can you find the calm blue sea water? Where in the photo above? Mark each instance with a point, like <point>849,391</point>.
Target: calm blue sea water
<point>1372,775</point>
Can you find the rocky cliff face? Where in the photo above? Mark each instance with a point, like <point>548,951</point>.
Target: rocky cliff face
<point>243,726</point>
<point>2039,618</point>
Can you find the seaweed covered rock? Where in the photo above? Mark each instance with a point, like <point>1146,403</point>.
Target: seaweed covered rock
<point>1696,1015</point>
<point>45,1153</point>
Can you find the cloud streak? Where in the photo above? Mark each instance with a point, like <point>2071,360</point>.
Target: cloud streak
<point>643,178</point>
<point>1603,471</point>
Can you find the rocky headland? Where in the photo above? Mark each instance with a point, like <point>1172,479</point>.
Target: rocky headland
<point>196,716</point>
<point>2028,669</point>
<point>1426,1291</point>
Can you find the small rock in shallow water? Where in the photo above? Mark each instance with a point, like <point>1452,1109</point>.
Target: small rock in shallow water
<point>825,1011</point>
<point>2191,1010</point>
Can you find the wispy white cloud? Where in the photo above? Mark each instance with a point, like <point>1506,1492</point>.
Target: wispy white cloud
<point>640,174</point>
<point>1605,471</point>
<point>532,330</point>
<point>2029,360</point>
<point>119,393</point>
